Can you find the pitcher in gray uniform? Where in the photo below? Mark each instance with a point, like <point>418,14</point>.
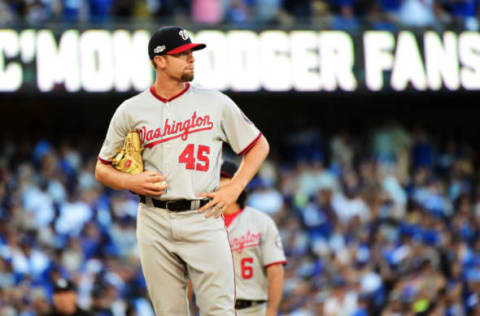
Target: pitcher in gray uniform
<point>180,228</point>
<point>257,252</point>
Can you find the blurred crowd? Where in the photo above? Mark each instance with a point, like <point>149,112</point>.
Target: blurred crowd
<point>386,222</point>
<point>349,15</point>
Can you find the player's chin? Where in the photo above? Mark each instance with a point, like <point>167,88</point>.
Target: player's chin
<point>187,77</point>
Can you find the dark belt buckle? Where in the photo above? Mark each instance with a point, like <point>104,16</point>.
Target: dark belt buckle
<point>170,205</point>
<point>242,304</point>
<point>177,206</point>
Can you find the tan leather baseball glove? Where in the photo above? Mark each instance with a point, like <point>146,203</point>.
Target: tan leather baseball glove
<point>129,157</point>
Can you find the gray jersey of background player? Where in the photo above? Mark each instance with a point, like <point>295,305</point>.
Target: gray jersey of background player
<point>258,255</point>
<point>180,231</point>
<point>257,252</point>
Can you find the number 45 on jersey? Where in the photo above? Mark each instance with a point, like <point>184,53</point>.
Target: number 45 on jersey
<point>195,157</point>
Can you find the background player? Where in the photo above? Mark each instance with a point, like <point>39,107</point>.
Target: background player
<point>65,300</point>
<point>182,129</point>
<point>257,252</point>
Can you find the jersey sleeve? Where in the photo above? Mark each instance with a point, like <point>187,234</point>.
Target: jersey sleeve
<point>116,133</point>
<point>272,247</point>
<point>237,129</point>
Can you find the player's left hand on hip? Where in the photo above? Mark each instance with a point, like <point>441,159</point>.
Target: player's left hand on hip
<point>220,199</point>
<point>271,312</point>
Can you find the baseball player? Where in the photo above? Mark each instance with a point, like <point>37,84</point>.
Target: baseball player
<point>182,127</point>
<point>257,253</point>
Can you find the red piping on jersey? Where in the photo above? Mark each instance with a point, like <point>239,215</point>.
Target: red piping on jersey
<point>243,152</point>
<point>105,162</point>
<point>155,94</point>
<point>274,263</point>
<point>233,268</point>
<point>230,217</point>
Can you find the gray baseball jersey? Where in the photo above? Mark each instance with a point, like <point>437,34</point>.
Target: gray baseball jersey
<point>182,137</point>
<point>256,245</point>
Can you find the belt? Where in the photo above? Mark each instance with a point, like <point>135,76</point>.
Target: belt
<point>241,304</point>
<point>175,205</point>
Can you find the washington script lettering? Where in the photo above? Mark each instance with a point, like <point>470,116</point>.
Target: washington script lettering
<point>246,241</point>
<point>175,129</point>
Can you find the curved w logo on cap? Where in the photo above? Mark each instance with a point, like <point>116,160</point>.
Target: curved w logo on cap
<point>184,35</point>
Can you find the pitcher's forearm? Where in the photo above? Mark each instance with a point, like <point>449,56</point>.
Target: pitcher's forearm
<point>111,177</point>
<point>149,183</point>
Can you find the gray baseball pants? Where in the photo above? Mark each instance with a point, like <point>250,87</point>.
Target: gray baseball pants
<point>175,246</point>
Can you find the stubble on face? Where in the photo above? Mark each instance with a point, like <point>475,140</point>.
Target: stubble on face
<point>187,77</point>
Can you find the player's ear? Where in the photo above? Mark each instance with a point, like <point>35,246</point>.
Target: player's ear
<point>159,62</point>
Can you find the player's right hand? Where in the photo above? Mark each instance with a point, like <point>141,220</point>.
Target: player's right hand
<point>149,183</point>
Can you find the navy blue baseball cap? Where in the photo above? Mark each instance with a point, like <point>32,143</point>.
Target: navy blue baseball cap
<point>63,285</point>
<point>228,169</point>
<point>171,40</point>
